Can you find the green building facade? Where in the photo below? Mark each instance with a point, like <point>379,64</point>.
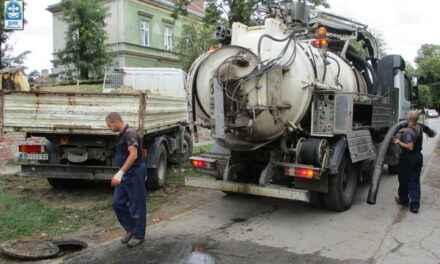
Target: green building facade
<point>141,33</point>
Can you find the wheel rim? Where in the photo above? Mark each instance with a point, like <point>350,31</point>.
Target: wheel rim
<point>162,168</point>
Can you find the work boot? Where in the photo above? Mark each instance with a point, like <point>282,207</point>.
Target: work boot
<point>414,210</point>
<point>125,238</point>
<point>135,242</point>
<point>397,199</point>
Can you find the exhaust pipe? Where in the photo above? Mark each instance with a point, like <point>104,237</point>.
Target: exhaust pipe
<point>378,163</point>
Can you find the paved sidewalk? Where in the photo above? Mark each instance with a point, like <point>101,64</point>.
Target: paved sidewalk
<point>415,238</point>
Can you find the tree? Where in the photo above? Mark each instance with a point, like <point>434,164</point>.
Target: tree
<point>8,60</point>
<point>242,11</point>
<point>196,40</point>
<point>425,98</point>
<point>33,75</point>
<point>428,61</point>
<point>4,36</point>
<point>85,37</point>
<point>427,51</point>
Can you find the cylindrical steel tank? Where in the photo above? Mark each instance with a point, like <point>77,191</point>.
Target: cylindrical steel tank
<point>259,107</point>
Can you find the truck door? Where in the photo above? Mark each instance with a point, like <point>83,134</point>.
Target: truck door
<point>403,83</point>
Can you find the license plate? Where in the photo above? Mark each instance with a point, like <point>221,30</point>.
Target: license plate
<point>34,156</point>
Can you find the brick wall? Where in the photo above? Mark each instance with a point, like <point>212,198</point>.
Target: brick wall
<point>9,145</point>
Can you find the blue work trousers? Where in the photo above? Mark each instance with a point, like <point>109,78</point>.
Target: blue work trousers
<point>129,202</point>
<point>410,166</point>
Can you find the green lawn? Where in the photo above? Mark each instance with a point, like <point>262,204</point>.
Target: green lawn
<point>202,148</point>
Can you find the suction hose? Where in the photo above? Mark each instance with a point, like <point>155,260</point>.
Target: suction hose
<point>378,163</point>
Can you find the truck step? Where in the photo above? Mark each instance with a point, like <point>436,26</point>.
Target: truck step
<point>268,190</point>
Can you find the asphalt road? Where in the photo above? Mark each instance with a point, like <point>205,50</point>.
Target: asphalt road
<point>255,230</point>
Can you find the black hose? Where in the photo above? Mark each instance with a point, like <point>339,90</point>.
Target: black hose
<point>428,131</point>
<point>378,163</point>
<point>354,55</point>
<point>360,64</point>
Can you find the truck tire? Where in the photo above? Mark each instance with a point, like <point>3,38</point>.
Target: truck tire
<point>64,183</point>
<point>156,176</point>
<point>187,147</point>
<point>342,187</point>
<point>393,169</point>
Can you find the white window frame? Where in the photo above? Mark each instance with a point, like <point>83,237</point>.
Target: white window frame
<point>145,33</point>
<point>168,38</point>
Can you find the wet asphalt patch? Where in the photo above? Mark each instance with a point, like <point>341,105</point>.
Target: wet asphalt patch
<point>194,250</point>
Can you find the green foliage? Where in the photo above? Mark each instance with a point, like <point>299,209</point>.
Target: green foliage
<point>323,3</point>
<point>8,60</point>
<point>196,40</point>
<point>243,11</point>
<point>410,69</point>
<point>425,99</point>
<point>427,51</point>
<point>85,37</point>
<point>33,75</point>
<point>428,61</point>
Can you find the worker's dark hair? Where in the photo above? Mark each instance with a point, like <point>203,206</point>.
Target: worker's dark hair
<point>113,116</point>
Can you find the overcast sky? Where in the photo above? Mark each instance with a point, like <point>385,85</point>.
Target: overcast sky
<point>405,24</point>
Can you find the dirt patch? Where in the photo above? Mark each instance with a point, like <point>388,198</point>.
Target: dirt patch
<point>90,206</point>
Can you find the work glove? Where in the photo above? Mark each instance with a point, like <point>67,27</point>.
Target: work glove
<point>117,178</point>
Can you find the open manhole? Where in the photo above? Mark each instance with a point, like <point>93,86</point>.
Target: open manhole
<point>41,249</point>
<point>69,246</point>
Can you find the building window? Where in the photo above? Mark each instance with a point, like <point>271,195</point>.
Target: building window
<point>168,38</point>
<point>145,33</point>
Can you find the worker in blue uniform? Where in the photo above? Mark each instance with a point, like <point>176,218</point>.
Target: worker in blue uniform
<point>410,163</point>
<point>129,202</point>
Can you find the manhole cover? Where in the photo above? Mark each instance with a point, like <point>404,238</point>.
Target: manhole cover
<point>29,249</point>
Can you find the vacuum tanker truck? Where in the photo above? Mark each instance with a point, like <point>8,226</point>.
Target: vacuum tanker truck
<point>295,110</point>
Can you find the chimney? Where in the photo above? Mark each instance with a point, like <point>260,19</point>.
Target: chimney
<point>45,73</point>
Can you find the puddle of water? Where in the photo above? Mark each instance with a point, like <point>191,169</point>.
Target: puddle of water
<point>196,250</point>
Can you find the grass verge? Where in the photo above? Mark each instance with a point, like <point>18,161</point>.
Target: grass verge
<point>29,207</point>
<point>22,214</point>
<point>203,148</point>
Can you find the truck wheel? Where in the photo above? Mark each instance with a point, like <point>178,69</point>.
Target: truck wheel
<point>156,176</point>
<point>64,183</point>
<point>393,169</point>
<point>187,146</point>
<point>342,187</point>
<point>316,200</point>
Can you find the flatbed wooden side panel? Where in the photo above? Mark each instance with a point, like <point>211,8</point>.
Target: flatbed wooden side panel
<point>84,113</point>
